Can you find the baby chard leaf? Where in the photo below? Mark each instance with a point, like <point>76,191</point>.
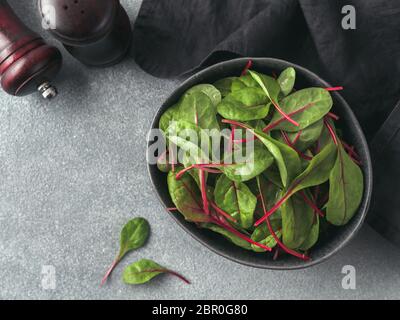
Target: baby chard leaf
<point>270,193</point>
<point>144,270</point>
<point>247,167</point>
<point>168,117</point>
<point>318,171</point>
<point>312,236</point>
<point>305,138</point>
<point>198,108</point>
<point>212,92</point>
<point>133,236</point>
<point>246,104</point>
<point>245,81</point>
<point>286,158</point>
<point>229,235</point>
<point>297,220</point>
<point>286,80</point>
<point>236,199</point>
<point>225,85</point>
<point>186,197</point>
<point>320,100</point>
<point>262,235</point>
<point>268,84</point>
<point>346,188</point>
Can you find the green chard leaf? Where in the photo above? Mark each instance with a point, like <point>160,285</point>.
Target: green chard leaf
<point>133,236</point>
<point>245,81</point>
<point>297,220</point>
<point>346,187</point>
<point>228,235</point>
<point>262,235</point>
<point>236,199</point>
<point>168,117</point>
<point>286,80</point>
<point>198,108</point>
<point>307,137</point>
<point>268,84</point>
<point>313,236</point>
<point>318,170</point>
<point>225,85</point>
<point>286,158</point>
<point>246,166</point>
<point>319,101</point>
<point>186,196</point>
<point>270,193</point>
<point>145,270</point>
<point>246,104</point>
<point>163,163</point>
<point>211,91</point>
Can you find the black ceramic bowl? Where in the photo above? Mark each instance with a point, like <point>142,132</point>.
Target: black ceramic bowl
<point>352,133</point>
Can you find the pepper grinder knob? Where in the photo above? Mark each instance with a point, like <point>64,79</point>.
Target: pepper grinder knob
<point>96,32</point>
<point>26,61</point>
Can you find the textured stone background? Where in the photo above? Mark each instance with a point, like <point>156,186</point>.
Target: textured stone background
<point>73,172</point>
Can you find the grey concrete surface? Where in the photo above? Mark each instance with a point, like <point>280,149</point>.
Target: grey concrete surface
<point>73,171</point>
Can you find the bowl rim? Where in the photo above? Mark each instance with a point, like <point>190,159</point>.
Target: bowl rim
<point>368,167</point>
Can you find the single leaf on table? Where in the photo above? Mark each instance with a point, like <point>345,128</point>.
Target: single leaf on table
<point>246,104</point>
<point>225,85</point>
<point>211,91</point>
<point>313,236</point>
<point>297,220</point>
<point>228,235</point>
<point>248,164</point>
<point>286,80</point>
<point>236,199</point>
<point>346,187</point>
<point>133,236</point>
<point>198,108</point>
<point>320,101</point>
<point>145,270</point>
<point>186,196</point>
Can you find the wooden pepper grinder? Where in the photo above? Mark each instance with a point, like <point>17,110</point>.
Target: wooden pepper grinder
<point>96,32</point>
<point>27,63</point>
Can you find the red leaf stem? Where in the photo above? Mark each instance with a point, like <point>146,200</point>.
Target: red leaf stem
<point>334,89</point>
<point>247,67</point>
